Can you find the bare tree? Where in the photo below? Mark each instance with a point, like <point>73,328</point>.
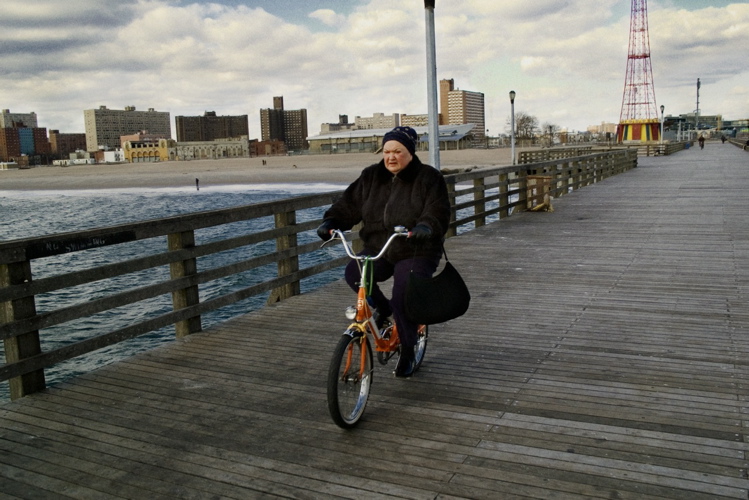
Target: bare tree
<point>525,125</point>
<point>549,130</point>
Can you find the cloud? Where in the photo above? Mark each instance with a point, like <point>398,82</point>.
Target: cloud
<point>565,59</point>
<point>328,17</point>
<point>48,14</point>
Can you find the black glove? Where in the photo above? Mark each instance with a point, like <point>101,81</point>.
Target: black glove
<point>324,230</point>
<point>421,232</point>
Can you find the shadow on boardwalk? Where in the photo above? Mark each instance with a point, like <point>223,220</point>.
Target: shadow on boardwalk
<point>604,356</point>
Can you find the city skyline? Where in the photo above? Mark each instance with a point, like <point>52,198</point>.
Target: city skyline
<point>565,60</point>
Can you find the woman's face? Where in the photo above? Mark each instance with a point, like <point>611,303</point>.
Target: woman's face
<point>396,156</point>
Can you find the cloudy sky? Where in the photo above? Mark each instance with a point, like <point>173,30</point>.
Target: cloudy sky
<point>566,59</point>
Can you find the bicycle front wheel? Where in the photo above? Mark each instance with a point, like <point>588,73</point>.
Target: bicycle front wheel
<point>349,379</point>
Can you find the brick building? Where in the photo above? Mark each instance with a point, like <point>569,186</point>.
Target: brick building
<point>61,145</point>
<point>210,127</point>
<point>23,141</point>
<point>286,125</point>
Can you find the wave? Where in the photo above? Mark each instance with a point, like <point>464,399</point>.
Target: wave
<point>290,188</point>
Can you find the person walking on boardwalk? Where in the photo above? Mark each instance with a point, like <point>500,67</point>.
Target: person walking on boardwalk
<point>400,190</point>
<point>701,140</point>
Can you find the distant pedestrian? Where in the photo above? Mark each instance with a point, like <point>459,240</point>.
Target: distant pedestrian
<point>723,139</point>
<point>197,184</point>
<point>701,140</point>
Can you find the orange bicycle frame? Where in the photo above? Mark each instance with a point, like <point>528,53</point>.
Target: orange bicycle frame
<point>364,317</point>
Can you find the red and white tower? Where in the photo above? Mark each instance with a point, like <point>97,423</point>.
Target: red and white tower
<point>639,117</point>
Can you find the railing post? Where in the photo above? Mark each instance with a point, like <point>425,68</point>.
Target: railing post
<point>21,346</point>
<point>523,189</point>
<point>451,231</point>
<point>188,296</point>
<point>479,206</point>
<point>575,175</point>
<point>504,199</point>
<point>588,172</point>
<point>557,179</point>
<point>289,265</point>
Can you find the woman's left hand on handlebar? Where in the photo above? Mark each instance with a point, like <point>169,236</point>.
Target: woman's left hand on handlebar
<point>324,230</point>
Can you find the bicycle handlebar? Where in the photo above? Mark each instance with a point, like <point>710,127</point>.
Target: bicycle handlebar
<point>337,234</point>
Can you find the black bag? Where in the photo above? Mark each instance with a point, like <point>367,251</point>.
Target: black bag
<point>437,299</point>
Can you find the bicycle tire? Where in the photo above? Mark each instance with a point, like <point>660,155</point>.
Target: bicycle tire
<point>348,392</point>
<point>421,345</point>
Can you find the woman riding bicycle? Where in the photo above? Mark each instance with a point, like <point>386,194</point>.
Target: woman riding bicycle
<point>400,190</point>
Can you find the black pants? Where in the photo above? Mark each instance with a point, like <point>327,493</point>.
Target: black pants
<point>384,270</point>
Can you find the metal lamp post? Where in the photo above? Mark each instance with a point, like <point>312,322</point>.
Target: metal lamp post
<point>697,112</point>
<point>512,125</point>
<point>434,127</point>
<point>662,108</point>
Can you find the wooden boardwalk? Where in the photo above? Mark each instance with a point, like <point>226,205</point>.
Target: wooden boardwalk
<point>605,355</point>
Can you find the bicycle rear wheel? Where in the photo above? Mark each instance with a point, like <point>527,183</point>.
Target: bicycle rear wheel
<point>421,345</point>
<point>349,379</point>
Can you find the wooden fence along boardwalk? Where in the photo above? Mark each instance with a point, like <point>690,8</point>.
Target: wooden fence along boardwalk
<point>604,356</point>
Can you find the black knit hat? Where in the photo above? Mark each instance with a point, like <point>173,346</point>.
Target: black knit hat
<point>405,135</point>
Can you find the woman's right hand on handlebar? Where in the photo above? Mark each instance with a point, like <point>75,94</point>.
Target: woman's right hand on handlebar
<point>420,232</point>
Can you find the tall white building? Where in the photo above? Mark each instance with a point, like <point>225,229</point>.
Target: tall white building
<point>464,107</point>
<point>105,126</point>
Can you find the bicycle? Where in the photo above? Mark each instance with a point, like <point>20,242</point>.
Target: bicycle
<point>351,368</point>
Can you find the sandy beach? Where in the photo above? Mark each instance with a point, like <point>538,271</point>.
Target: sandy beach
<point>339,168</point>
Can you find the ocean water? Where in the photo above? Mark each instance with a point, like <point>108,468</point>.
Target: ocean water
<point>25,214</point>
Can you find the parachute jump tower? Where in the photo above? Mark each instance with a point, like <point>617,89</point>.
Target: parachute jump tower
<point>638,121</point>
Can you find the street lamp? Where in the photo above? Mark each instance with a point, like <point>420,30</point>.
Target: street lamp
<point>662,108</point>
<point>512,125</point>
<point>434,126</point>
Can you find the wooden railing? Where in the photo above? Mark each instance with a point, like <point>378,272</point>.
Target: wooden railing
<point>539,155</point>
<point>667,148</point>
<point>647,149</point>
<point>739,143</point>
<point>477,197</point>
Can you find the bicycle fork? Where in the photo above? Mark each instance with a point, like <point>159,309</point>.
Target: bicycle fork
<point>359,336</point>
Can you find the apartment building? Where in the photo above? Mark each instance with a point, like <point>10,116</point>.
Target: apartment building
<point>458,107</point>
<point>61,145</point>
<point>286,125</point>
<point>377,121</point>
<point>104,126</point>
<point>446,86</point>
<point>13,120</point>
<point>467,107</point>
<point>210,127</point>
<point>22,141</point>
<point>414,121</point>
